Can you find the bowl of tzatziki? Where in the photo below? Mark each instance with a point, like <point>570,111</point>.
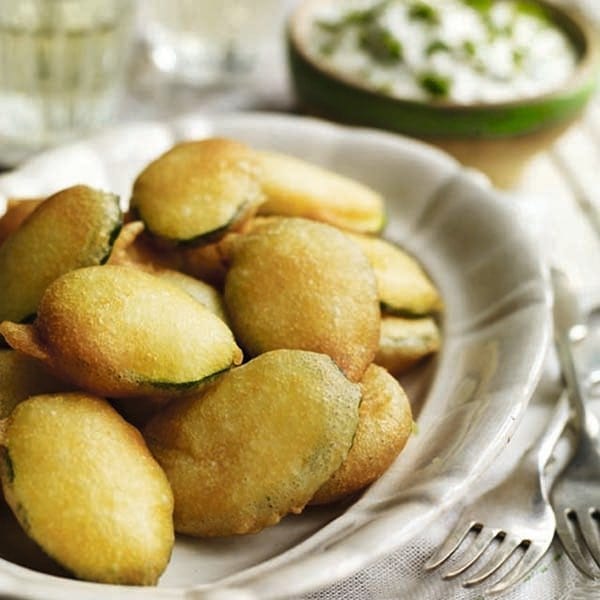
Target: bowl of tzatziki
<point>490,81</point>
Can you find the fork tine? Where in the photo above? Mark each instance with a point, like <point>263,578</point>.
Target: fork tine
<point>589,530</point>
<point>507,547</point>
<point>530,559</point>
<point>477,548</point>
<point>564,529</point>
<point>451,543</point>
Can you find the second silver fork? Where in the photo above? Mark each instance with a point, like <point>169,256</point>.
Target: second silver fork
<point>576,495</point>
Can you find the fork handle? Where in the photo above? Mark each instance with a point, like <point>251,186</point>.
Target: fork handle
<point>542,448</point>
<point>566,318</point>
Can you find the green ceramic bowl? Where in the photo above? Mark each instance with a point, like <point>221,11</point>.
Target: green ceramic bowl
<point>497,138</point>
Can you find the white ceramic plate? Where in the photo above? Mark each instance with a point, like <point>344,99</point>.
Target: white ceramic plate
<point>496,331</point>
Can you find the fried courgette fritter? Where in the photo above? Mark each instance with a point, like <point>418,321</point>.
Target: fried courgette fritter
<point>257,443</point>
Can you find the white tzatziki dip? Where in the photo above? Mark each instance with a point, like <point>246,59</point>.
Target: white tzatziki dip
<point>464,51</point>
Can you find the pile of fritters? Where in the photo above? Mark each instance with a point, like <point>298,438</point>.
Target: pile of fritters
<point>219,356</point>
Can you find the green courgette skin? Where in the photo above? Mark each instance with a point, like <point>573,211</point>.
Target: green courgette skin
<point>183,386</point>
<point>206,237</point>
<point>403,312</point>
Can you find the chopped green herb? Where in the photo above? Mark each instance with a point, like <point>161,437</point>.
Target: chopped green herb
<point>435,84</point>
<point>358,17</point>
<point>505,31</point>
<point>436,46</point>
<point>381,45</point>
<point>421,11</point>
<point>532,9</point>
<point>469,48</point>
<point>494,30</point>
<point>366,16</point>
<point>480,5</point>
<point>518,56</point>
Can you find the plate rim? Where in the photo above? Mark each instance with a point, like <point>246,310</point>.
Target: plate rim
<point>35,584</point>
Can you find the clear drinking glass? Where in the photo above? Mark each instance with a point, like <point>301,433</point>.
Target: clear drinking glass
<point>62,66</point>
<point>207,41</point>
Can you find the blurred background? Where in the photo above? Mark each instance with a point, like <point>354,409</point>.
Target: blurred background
<point>69,67</point>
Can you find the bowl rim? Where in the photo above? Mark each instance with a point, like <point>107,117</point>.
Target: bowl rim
<point>570,21</point>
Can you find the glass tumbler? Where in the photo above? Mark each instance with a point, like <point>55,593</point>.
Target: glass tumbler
<point>202,42</point>
<point>62,67</point>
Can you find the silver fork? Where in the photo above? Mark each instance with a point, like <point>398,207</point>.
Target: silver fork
<point>576,494</point>
<point>516,513</point>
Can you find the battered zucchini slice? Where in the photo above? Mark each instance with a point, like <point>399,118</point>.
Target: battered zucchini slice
<point>22,376</point>
<point>17,210</point>
<point>295,283</point>
<point>384,426</point>
<point>257,443</point>
<point>74,228</point>
<point>297,188</point>
<point>198,190</point>
<point>118,331</point>
<point>83,485</point>
<point>404,342</point>
<point>204,293</point>
<point>404,288</point>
